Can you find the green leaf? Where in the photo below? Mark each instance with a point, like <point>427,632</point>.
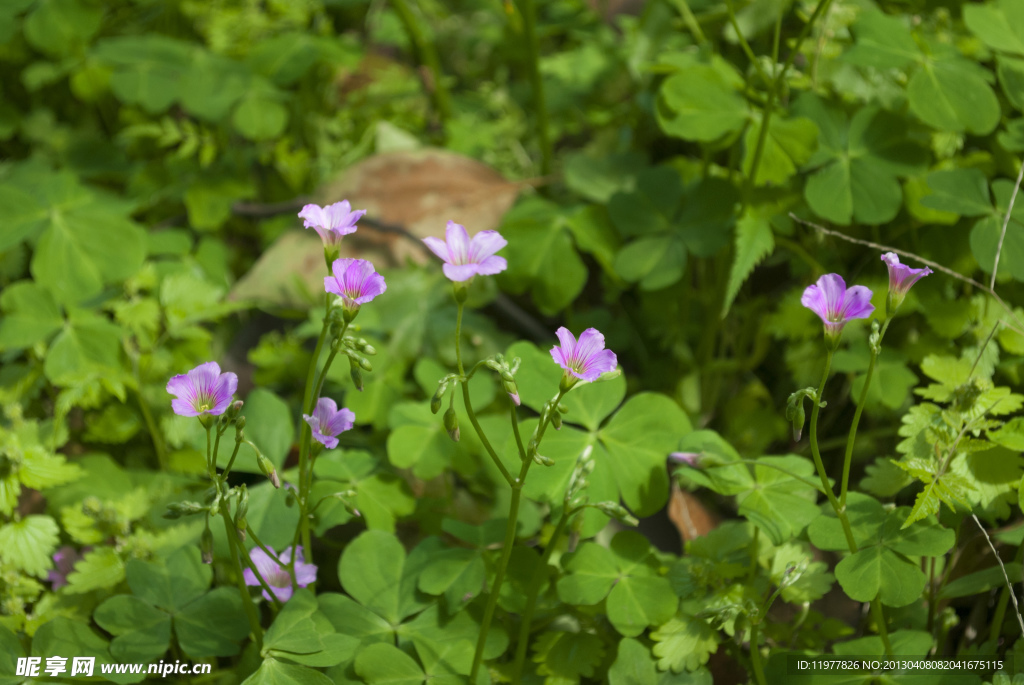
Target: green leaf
<point>383,663</point>
<point>88,348</point>
<point>961,191</point>
<point>699,104</point>
<point>1011,79</point>
<point>866,516</point>
<point>801,581</point>
<point>885,477</point>
<point>787,147</point>
<point>981,582</point>
<point>375,571</point>
<point>654,262</point>
<point>294,631</point>
<point>148,70</point>
<point>269,425</point>
<point>779,504</point>
<point>68,638</point>
<point>1000,25</point>
<point>100,568</point>
<point>30,315</point>
<point>633,665</point>
<point>541,256</point>
<point>142,632</point>
<point>27,545</point>
<point>212,625</point>
<point>274,672</point>
<point>212,85</point>
<point>259,117</point>
<point>684,643</point>
<point>173,584</point>
<point>883,42</point>
<point>754,242</point>
<point>949,488</point>
<point>285,57</point>
<point>591,574</point>
<point>878,571</point>
<point>382,499</point>
<point>951,94</point>
<point>986,232</point>
<point>352,619</point>
<point>457,573</point>
<point>565,657</point>
<point>859,161</point>
<point>637,439</point>
<point>597,179</point>
<point>61,27</point>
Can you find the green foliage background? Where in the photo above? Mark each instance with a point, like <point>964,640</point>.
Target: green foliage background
<point>666,154</point>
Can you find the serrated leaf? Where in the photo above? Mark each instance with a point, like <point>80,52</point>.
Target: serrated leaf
<point>754,242</point>
<point>100,568</point>
<point>27,545</point>
<point>684,643</point>
<point>949,489</point>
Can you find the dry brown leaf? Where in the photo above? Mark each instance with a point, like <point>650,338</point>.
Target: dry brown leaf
<point>420,190</point>
<point>691,518</point>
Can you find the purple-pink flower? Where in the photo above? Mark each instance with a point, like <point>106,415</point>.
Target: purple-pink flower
<point>688,458</point>
<point>355,280</point>
<point>465,258</point>
<point>901,279</point>
<point>327,422</point>
<point>586,358</point>
<point>64,559</point>
<point>203,390</point>
<point>275,572</point>
<point>332,221</point>
<point>830,299</point>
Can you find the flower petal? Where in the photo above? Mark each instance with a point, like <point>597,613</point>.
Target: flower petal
<point>438,247</point>
<point>460,272</point>
<point>223,391</point>
<point>313,216</point>
<point>591,342</point>
<point>601,362</point>
<point>458,243</point>
<point>858,303</point>
<point>814,299</point>
<point>567,341</point>
<point>305,574</point>
<point>183,407</point>
<point>485,244</point>
<point>491,265</point>
<point>341,421</point>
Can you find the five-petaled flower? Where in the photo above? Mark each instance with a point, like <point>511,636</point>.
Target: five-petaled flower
<point>332,221</point>
<point>585,359</point>
<point>327,422</point>
<point>203,390</point>
<point>901,279</point>
<point>275,572</point>
<point>356,281</point>
<point>831,300</point>
<point>465,258</point>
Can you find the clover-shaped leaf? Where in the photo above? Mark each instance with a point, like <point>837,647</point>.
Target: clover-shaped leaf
<point>626,574</point>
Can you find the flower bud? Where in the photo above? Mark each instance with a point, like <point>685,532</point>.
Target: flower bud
<point>435,401</point>
<point>176,510</point>
<point>242,511</point>
<point>365,364</point>
<point>512,390</point>
<point>357,378</point>
<point>542,460</point>
<point>206,545</point>
<point>267,467</point>
<point>234,409</point>
<point>369,349</point>
<point>451,424</point>
<point>336,345</point>
<point>562,409</point>
<point>507,376</point>
<point>618,512</point>
<point>556,420</point>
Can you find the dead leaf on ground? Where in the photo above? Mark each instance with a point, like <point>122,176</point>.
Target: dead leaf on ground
<point>420,190</point>
<point>691,518</point>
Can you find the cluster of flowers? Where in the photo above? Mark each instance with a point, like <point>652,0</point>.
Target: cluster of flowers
<point>206,391</point>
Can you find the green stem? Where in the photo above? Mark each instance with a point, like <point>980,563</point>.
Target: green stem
<point>469,405</point>
<point>154,431</point>
<point>250,607</point>
<point>231,461</point>
<point>529,12</point>
<point>499,577</point>
<point>876,606</point>
<point>848,457</point>
<point>428,55</point>
<point>531,596</point>
<point>755,653</point>
<point>689,19</point>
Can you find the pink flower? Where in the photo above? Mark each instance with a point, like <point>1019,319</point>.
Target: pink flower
<point>465,258</point>
<point>65,559</point>
<point>327,422</point>
<point>835,304</point>
<point>332,221</point>
<point>203,390</point>
<point>586,359</point>
<point>355,280</point>
<point>275,572</point>
<point>901,279</point>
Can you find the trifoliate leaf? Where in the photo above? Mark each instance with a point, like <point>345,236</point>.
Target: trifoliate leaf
<point>567,656</point>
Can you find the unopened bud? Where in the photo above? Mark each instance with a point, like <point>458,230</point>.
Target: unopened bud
<point>617,511</point>
<point>336,345</point>
<point>435,401</point>
<point>267,467</point>
<point>562,409</point>
<point>176,510</point>
<point>543,461</point>
<point>365,364</point>
<point>357,378</point>
<point>206,545</point>
<point>234,409</point>
<point>556,420</point>
<point>369,349</point>
<point>451,424</point>
<point>241,513</point>
<point>512,390</point>
<point>507,376</point>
